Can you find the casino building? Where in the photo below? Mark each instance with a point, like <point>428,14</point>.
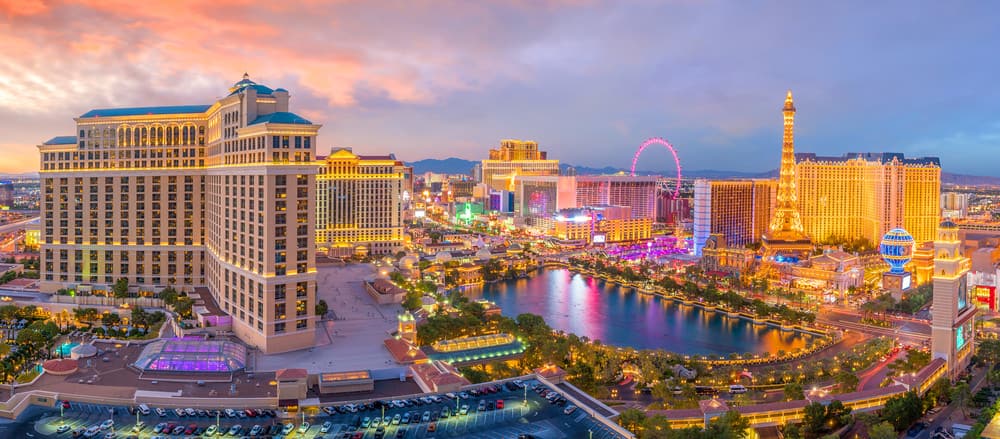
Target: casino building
<point>220,196</point>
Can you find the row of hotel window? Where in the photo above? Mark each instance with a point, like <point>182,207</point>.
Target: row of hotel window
<point>277,142</point>
<point>144,136</point>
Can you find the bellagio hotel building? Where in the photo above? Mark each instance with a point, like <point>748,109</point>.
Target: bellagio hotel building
<point>217,196</point>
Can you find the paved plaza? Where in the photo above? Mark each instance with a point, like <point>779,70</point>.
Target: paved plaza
<point>351,335</point>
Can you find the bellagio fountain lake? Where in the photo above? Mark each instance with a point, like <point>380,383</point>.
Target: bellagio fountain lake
<point>621,316</point>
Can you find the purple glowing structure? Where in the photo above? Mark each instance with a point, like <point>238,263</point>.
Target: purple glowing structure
<point>676,190</point>
<point>178,355</point>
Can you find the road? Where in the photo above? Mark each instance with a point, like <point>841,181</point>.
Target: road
<point>909,331</point>
<point>7,228</point>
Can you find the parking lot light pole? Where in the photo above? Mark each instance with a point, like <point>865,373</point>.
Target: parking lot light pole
<point>218,415</point>
<point>591,432</point>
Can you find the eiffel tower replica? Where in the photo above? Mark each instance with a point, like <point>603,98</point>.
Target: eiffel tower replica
<point>785,240</point>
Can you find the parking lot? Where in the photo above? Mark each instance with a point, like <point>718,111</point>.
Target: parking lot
<point>538,418</point>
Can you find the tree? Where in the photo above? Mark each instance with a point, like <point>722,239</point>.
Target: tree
<point>903,410</point>
<point>846,381</point>
<point>632,419</point>
<point>813,420</point>
<point>111,319</point>
<point>794,391</point>
<point>86,315</point>
<point>120,288</point>
<point>730,425</point>
<point>960,394</point>
<point>168,295</point>
<point>882,430</point>
<point>140,318</point>
<point>322,308</point>
<point>412,301</point>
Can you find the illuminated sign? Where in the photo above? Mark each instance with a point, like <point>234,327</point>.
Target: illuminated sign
<point>600,239</point>
<point>906,282</point>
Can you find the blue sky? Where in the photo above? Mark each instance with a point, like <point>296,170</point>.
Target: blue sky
<point>588,80</point>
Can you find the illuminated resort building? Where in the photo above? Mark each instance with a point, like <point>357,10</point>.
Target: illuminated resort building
<point>515,158</point>
<point>952,309</point>
<point>600,224</point>
<point>359,204</point>
<point>219,196</point>
<point>868,194</point>
<point>543,196</point>
<point>738,210</point>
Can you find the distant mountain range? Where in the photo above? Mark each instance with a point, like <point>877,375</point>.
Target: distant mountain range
<point>454,165</point>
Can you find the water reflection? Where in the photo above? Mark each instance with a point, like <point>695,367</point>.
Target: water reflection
<point>623,317</point>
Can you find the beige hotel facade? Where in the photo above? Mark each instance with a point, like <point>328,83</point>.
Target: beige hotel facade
<point>220,196</point>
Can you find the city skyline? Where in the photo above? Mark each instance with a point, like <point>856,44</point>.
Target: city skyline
<point>586,81</point>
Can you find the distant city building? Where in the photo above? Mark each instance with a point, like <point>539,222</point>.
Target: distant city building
<point>6,194</point>
<point>218,196</point>
<point>671,210</point>
<point>952,310</point>
<point>785,235</point>
<point>954,204</point>
<point>738,210</point>
<point>864,195</point>
<point>543,196</point>
<point>515,158</point>
<point>359,204</point>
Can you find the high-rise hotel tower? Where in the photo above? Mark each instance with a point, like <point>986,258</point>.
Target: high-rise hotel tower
<point>219,196</point>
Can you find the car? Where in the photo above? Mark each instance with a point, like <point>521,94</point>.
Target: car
<point>396,419</point>
<point>65,405</point>
<point>490,405</point>
<point>180,413</point>
<point>329,410</point>
<point>499,404</point>
<point>230,413</point>
<point>235,430</point>
<point>445,412</point>
<point>288,428</point>
<point>168,428</point>
<point>482,405</point>
<point>211,430</point>
<point>405,419</point>
<point>569,409</point>
<point>190,429</point>
<point>63,428</point>
<point>326,427</point>
<point>138,426</point>
<point>110,435</point>
<point>201,412</point>
<point>464,410</point>
<point>451,395</point>
<point>190,412</point>
<point>463,395</point>
<point>78,432</point>
<point>177,430</point>
<point>107,424</point>
<point>304,427</point>
<point>92,431</point>
<point>367,421</point>
<point>358,435</point>
<point>241,414</point>
<point>257,429</point>
<point>425,417</point>
<point>161,412</point>
<point>432,427</point>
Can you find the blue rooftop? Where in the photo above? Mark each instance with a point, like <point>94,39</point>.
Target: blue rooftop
<point>61,140</point>
<point>142,111</point>
<point>281,117</point>
<point>261,89</point>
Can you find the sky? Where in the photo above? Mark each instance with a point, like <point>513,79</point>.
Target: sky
<point>588,80</point>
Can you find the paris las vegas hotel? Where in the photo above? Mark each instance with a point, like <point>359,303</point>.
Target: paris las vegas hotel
<point>219,196</point>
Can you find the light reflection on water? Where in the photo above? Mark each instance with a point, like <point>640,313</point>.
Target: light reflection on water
<point>621,316</point>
